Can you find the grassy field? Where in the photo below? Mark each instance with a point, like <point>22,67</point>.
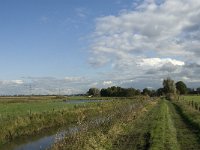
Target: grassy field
<point>192,101</point>
<point>23,106</point>
<point>22,109</point>
<point>27,116</point>
<point>107,135</point>
<point>192,97</point>
<point>129,123</point>
<point>148,127</point>
<point>159,124</point>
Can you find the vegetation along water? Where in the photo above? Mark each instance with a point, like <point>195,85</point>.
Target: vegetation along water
<point>170,121</point>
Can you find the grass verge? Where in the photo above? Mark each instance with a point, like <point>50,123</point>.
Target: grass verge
<point>33,123</point>
<point>109,134</point>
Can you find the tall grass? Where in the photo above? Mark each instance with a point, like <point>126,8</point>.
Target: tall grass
<point>105,134</point>
<point>187,122</point>
<point>190,113</point>
<point>26,122</point>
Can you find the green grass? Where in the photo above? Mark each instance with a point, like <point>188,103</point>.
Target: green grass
<point>28,115</point>
<point>21,109</point>
<point>25,99</point>
<point>104,136</point>
<point>24,118</point>
<point>22,106</point>
<point>154,125</point>
<point>195,98</point>
<point>163,131</point>
<point>166,125</point>
<point>154,130</point>
<point>187,123</point>
<point>136,132</point>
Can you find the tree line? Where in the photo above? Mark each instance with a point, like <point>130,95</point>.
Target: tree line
<point>169,88</point>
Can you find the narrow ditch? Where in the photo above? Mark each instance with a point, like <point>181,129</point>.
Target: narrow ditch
<point>45,141</point>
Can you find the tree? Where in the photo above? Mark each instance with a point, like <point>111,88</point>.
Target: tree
<point>104,92</point>
<point>198,90</point>
<point>137,92</point>
<point>146,92</point>
<point>93,92</point>
<point>169,88</point>
<point>129,92</point>
<point>119,92</point>
<point>160,92</point>
<point>181,87</point>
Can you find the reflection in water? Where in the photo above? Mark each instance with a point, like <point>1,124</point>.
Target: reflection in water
<point>47,141</point>
<point>42,142</point>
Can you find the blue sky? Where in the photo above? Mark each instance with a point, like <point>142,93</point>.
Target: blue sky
<point>43,38</point>
<point>49,37</point>
<point>77,44</point>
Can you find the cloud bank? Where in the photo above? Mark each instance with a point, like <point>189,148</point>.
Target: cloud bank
<point>138,47</point>
<point>150,42</point>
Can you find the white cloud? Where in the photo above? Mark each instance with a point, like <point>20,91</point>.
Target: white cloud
<point>44,85</point>
<point>187,79</point>
<point>151,41</point>
<point>8,82</point>
<point>94,84</point>
<point>74,79</point>
<point>158,62</point>
<point>145,29</point>
<point>135,48</point>
<point>107,83</point>
<point>18,81</point>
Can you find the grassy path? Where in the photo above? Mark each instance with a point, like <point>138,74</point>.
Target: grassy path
<point>163,131</point>
<point>170,131</point>
<point>154,130</point>
<point>137,135</point>
<point>188,137</point>
<point>160,125</point>
<point>163,127</point>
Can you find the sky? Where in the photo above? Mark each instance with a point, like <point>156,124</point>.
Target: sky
<point>68,46</point>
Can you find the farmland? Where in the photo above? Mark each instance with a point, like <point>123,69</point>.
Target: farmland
<point>28,116</point>
<point>110,123</point>
<point>159,125</point>
<point>100,75</point>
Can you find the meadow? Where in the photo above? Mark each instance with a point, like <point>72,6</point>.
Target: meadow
<point>28,116</point>
<point>21,116</point>
<point>159,124</point>
<point>115,123</point>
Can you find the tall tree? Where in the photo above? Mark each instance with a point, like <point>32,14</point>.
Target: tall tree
<point>146,92</point>
<point>169,88</point>
<point>181,87</point>
<point>93,92</point>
